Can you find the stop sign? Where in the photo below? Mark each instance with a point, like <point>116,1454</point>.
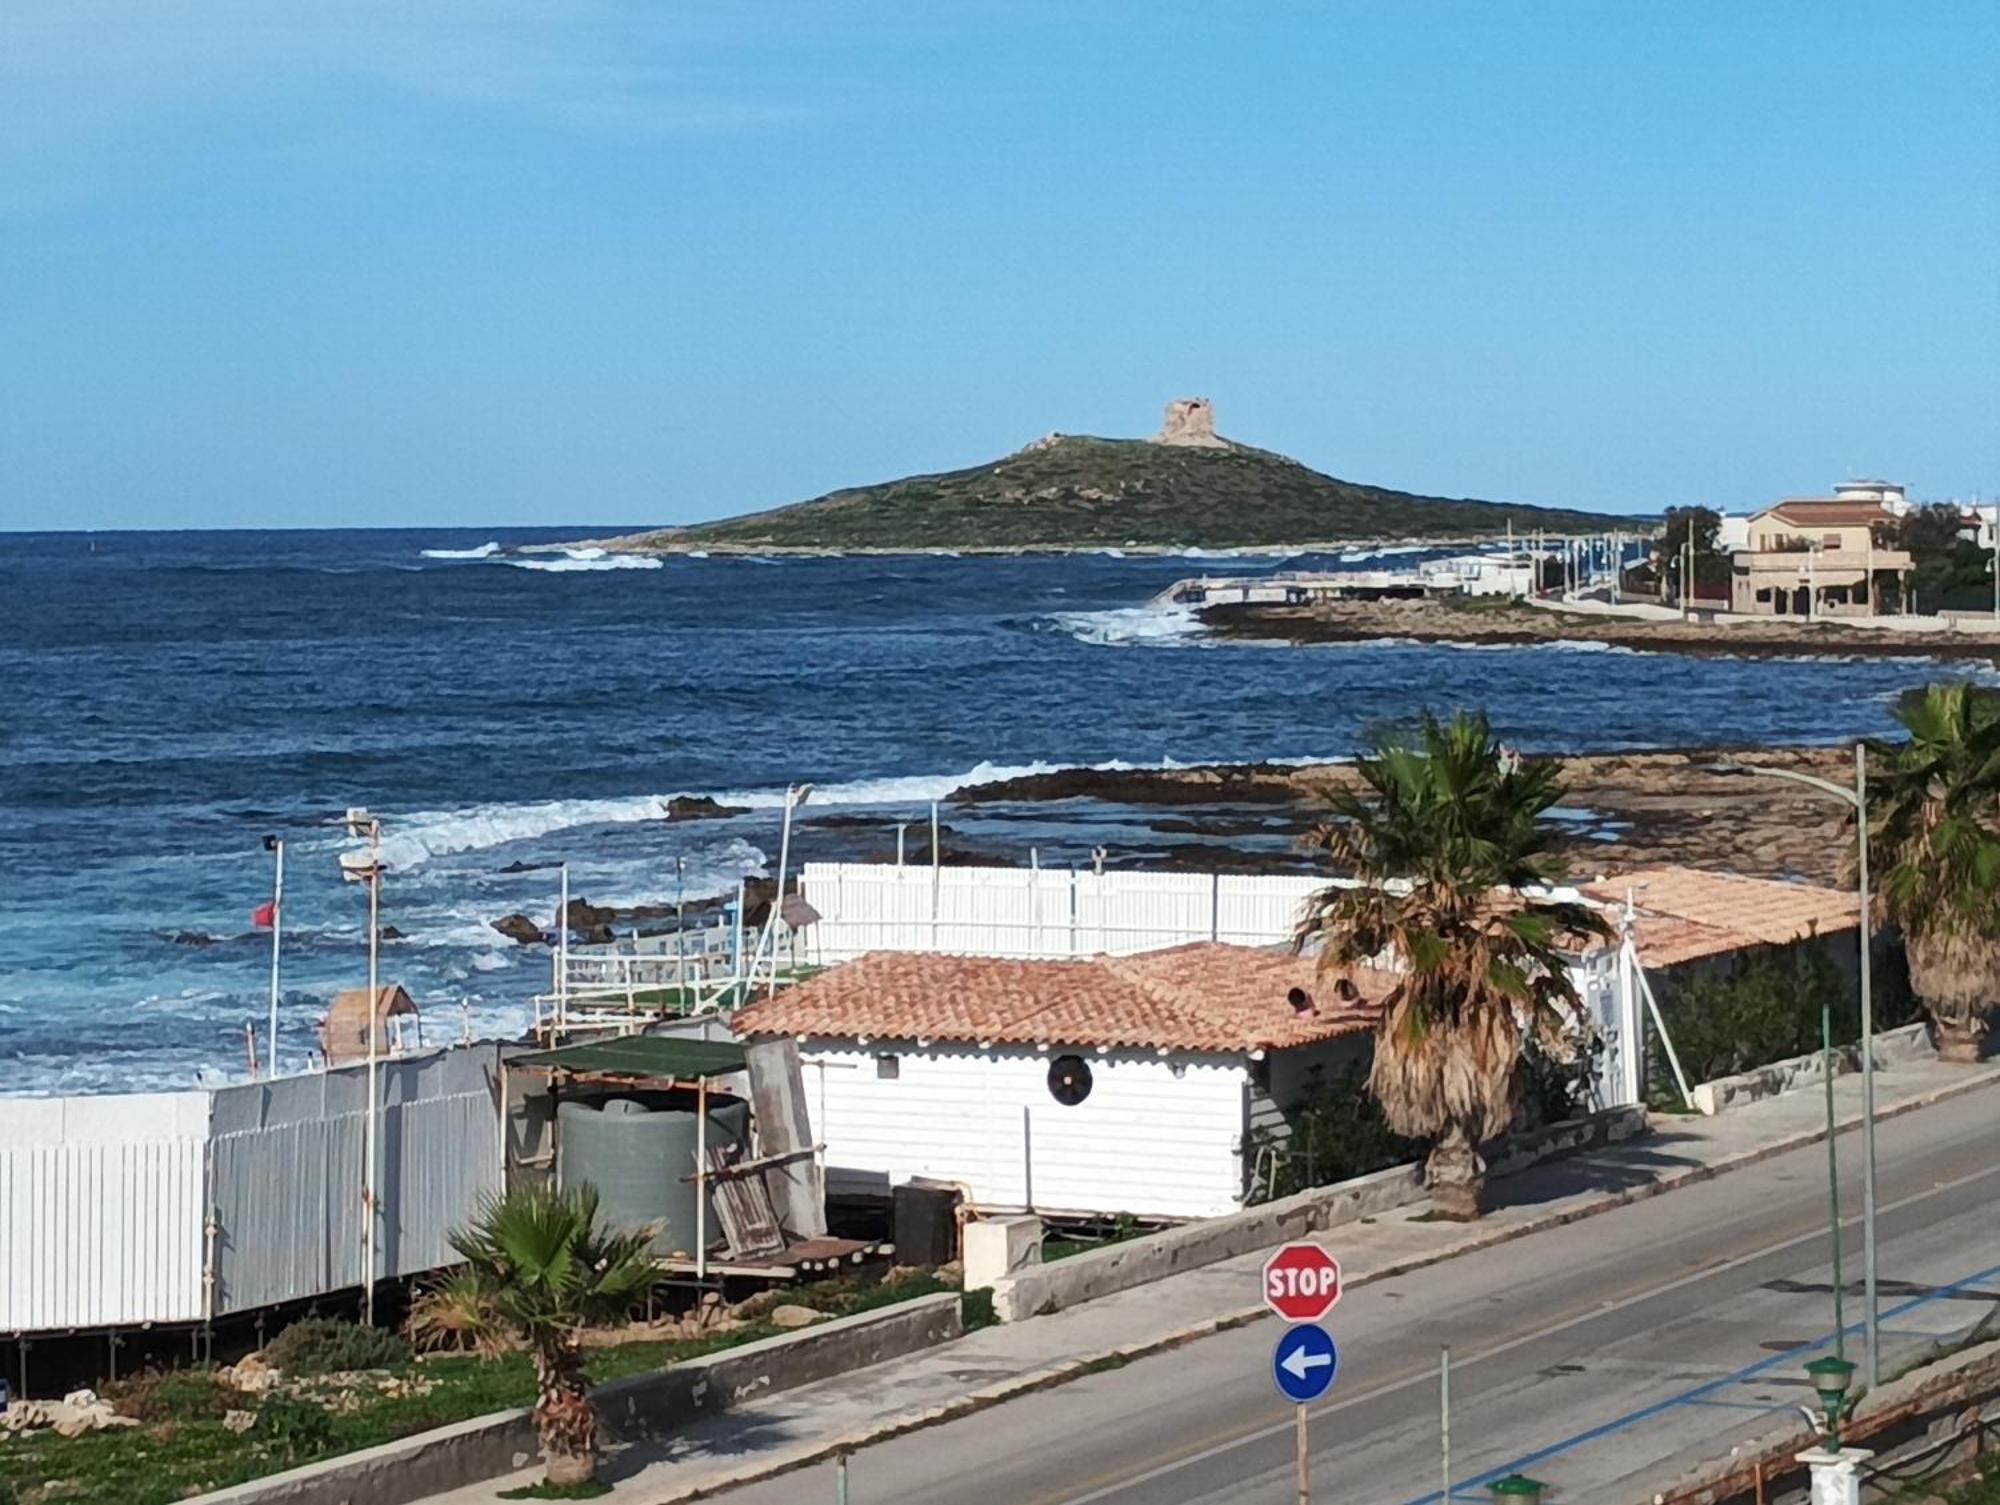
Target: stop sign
<point>1301,1282</point>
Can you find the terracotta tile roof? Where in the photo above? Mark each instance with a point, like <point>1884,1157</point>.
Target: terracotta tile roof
<point>1204,997</point>
<point>1685,914</point>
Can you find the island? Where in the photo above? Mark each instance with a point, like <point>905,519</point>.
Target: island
<point>1185,488</point>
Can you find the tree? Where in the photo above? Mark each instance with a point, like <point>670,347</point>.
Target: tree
<point>1704,524</point>
<point>548,1272</point>
<point>1455,856</point>
<point>1934,807</point>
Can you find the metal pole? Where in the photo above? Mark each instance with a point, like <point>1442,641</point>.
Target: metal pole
<point>701,1179</point>
<point>1832,1179</point>
<point>840,1479</point>
<point>1444,1418</point>
<point>680,933</point>
<point>778,899</point>
<point>1305,1467</point>
<point>373,1135</point>
<point>736,966</point>
<point>1873,1315</point>
<point>277,921</point>
<point>562,951</point>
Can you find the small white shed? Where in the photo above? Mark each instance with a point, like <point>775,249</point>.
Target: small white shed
<point>1101,1086</point>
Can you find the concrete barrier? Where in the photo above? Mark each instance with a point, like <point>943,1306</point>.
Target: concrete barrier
<point>647,1405</point>
<point>1911,1042</point>
<point>1136,1262</point>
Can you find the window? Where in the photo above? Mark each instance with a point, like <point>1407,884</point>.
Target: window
<point>1829,541</point>
<point>1069,1080</point>
<point>888,1068</point>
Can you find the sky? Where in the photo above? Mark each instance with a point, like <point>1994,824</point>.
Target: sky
<point>501,262</point>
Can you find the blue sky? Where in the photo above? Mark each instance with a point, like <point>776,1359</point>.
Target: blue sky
<point>498,262</point>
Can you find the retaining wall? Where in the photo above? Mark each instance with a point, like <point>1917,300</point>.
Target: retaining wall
<point>1911,1042</point>
<point>1085,1277</point>
<point>647,1405</point>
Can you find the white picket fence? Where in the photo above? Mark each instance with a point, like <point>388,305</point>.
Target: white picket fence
<point>1041,912</point>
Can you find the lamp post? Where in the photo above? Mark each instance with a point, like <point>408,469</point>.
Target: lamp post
<point>795,796</point>
<point>366,867</point>
<point>1856,799</point>
<point>276,847</point>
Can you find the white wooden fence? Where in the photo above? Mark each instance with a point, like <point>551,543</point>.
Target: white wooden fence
<point>1040,912</point>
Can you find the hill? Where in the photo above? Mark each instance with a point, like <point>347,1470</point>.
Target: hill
<point>1068,492</point>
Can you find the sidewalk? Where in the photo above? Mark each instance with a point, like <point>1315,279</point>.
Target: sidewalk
<point>802,1426</point>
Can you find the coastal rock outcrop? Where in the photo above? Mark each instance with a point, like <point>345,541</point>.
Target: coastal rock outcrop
<point>519,929</point>
<point>700,807</point>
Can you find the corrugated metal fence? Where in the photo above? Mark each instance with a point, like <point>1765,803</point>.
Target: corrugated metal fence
<point>1041,912</point>
<point>115,1210</point>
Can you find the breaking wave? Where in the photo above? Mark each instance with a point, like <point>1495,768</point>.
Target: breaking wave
<point>484,551</point>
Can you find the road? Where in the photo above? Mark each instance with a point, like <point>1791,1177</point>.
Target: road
<point>1587,1355</point>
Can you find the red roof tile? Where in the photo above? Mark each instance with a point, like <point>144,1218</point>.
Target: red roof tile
<point>1204,997</point>
<point>1685,914</point>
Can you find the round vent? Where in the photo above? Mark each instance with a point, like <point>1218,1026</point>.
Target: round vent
<point>1069,1080</point>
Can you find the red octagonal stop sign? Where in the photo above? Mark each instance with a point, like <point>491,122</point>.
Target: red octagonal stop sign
<point>1301,1282</point>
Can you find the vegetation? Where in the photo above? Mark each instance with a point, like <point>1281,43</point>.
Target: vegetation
<point>1766,1007</point>
<point>1934,804</point>
<point>1949,569</point>
<point>1336,1134</point>
<point>548,1271</point>
<point>322,1345</point>
<point>1451,840</point>
<point>1702,525</point>
<point>188,1445</point>
<point>1067,492</point>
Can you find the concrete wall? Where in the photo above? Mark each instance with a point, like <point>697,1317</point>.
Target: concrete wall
<point>1911,1042</point>
<point>1085,1277</point>
<point>647,1405</point>
<point>1155,1137</point>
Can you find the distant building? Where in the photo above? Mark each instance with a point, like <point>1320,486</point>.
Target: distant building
<point>1816,557</point>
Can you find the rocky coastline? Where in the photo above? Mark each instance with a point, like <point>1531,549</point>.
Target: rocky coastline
<point>1503,623</point>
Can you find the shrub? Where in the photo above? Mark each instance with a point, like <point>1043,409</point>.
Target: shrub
<point>457,1315</point>
<point>1338,1133</point>
<point>1766,1008</point>
<point>299,1430</point>
<point>322,1345</point>
<point>174,1395</point>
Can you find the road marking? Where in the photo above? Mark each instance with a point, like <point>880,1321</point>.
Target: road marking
<point>1230,1441</point>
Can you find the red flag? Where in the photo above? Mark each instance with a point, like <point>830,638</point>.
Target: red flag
<point>265,915</point>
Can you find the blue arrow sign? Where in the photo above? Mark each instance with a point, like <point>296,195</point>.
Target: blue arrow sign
<point>1304,1363</point>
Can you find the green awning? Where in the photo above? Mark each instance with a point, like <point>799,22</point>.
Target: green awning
<point>642,1056</point>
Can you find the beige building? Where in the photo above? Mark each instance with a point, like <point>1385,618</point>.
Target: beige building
<point>1816,557</point>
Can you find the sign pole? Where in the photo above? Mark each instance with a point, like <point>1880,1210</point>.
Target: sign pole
<point>1305,1464</point>
<point>1444,1419</point>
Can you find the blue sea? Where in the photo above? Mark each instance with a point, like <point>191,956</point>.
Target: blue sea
<point>171,698</point>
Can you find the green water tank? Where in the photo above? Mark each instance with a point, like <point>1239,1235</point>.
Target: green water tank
<point>635,1153</point>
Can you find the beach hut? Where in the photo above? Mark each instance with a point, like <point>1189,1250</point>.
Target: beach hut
<point>343,1033</point>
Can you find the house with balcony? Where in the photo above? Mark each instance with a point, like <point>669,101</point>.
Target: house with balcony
<point>1816,557</point>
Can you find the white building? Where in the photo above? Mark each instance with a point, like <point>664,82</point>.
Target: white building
<point>1107,1085</point>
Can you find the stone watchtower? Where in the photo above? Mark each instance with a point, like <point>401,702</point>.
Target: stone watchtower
<point>1190,422</point>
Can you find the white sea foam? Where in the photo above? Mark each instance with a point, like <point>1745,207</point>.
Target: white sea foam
<point>484,551</point>
<point>1125,626</point>
<point>590,558</point>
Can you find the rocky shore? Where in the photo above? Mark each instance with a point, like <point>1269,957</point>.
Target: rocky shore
<point>1505,622</point>
<point>1627,810</point>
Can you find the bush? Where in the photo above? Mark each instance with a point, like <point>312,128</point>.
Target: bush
<point>321,1345</point>
<point>174,1395</point>
<point>293,1428</point>
<point>1554,1091</point>
<point>457,1315</point>
<point>1766,1008</point>
<point>1336,1134</point>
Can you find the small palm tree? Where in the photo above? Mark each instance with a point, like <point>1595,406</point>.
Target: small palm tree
<point>1454,856</point>
<point>548,1272</point>
<point>1934,806</point>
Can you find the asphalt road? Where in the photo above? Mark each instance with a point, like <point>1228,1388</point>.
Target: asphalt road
<point>1587,1355</point>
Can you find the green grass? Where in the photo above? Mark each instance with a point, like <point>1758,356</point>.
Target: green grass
<point>186,1449</point>
<point>594,1490</point>
<point>1083,492</point>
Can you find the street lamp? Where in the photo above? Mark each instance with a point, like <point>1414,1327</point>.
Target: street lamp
<point>366,867</point>
<point>1831,1378</point>
<point>1856,799</point>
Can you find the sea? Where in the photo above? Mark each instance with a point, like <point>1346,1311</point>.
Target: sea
<point>168,700</point>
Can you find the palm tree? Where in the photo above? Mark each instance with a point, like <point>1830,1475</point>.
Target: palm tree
<point>1454,859</point>
<point>1934,804</point>
<point>548,1272</point>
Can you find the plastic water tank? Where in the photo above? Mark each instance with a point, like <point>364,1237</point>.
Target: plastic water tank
<point>636,1157</point>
